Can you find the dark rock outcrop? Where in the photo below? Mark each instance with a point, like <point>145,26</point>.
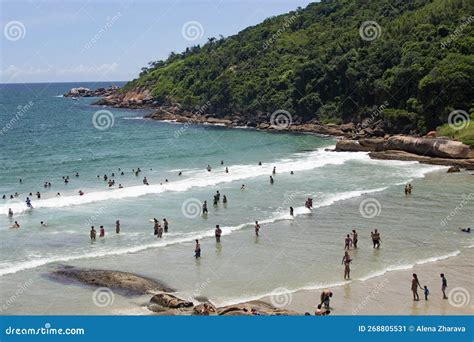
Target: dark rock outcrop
<point>127,282</point>
<point>168,301</point>
<point>86,92</point>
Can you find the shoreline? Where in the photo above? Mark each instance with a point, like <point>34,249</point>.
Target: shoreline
<point>390,294</point>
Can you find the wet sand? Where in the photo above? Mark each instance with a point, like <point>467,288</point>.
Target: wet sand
<point>390,293</point>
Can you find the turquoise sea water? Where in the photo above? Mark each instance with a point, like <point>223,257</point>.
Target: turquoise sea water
<point>45,137</point>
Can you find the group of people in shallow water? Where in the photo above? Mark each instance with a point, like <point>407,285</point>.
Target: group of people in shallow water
<point>350,240</point>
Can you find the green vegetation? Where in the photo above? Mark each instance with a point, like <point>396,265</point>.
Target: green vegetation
<point>313,63</point>
<point>466,134</point>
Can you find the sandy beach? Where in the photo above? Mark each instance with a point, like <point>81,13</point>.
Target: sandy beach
<point>390,294</point>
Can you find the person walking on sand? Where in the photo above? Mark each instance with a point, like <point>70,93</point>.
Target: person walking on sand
<point>354,238</point>
<point>197,250</point>
<point>117,227</point>
<point>346,260</point>
<point>415,284</point>
<point>102,231</point>
<point>218,233</point>
<point>348,242</point>
<point>93,233</point>
<point>444,285</point>
<point>257,228</point>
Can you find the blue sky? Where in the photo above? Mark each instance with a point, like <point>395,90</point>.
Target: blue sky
<point>60,41</point>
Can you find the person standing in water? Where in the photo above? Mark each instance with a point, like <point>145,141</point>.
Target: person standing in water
<point>93,233</point>
<point>291,211</point>
<point>226,169</point>
<point>218,195</point>
<point>218,233</point>
<point>354,238</point>
<point>102,231</point>
<point>376,239</point>
<point>10,212</point>
<point>156,225</point>
<point>347,242</point>
<point>117,227</point>
<point>257,228</point>
<point>346,260</point>
<point>159,232</point>
<point>197,250</point>
<point>224,199</point>
<point>204,208</point>
<point>274,170</point>
<point>271,180</point>
<point>415,284</point>
<point>165,224</point>
<point>444,285</point>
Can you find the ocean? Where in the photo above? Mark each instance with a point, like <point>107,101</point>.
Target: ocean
<point>45,137</point>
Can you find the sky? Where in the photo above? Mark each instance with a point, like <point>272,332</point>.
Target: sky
<point>111,40</point>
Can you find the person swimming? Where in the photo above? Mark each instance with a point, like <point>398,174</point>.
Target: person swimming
<point>180,173</point>
<point>81,193</point>
<point>15,225</point>
<point>465,230</point>
<point>209,168</point>
<point>43,224</point>
<point>259,163</point>
<point>120,186</point>
<point>242,187</point>
<point>222,162</point>
<point>292,173</point>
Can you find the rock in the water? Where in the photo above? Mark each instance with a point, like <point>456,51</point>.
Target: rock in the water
<point>169,301</point>
<point>127,282</point>
<point>453,169</point>
<point>350,146</point>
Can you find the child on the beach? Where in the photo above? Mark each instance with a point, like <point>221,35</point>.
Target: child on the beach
<point>426,292</point>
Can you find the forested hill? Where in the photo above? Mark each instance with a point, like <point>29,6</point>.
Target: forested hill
<point>334,61</point>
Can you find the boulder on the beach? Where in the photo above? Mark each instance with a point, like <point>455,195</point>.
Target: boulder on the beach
<point>453,169</point>
<point>204,309</point>
<point>255,307</point>
<point>169,301</point>
<point>439,147</point>
<point>128,282</point>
